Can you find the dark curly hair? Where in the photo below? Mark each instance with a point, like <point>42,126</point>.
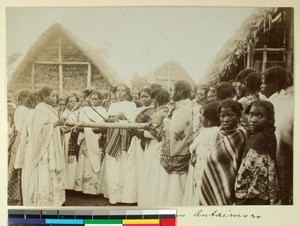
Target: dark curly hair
<point>210,112</point>
<point>127,90</point>
<point>184,86</point>
<point>279,76</point>
<point>267,105</point>
<point>162,97</point>
<point>225,90</point>
<point>235,106</point>
<point>45,92</point>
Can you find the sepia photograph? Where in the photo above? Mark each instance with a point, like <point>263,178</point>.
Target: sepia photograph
<point>150,106</point>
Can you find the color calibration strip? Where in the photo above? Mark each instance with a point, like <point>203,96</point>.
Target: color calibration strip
<point>92,218</point>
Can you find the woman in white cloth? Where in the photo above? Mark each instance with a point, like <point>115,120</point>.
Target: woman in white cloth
<point>14,175</point>
<point>149,179</point>
<point>90,154</point>
<point>118,141</point>
<point>23,156</point>
<point>135,155</point>
<point>277,88</point>
<point>201,147</point>
<point>47,184</point>
<point>70,146</point>
<point>175,155</point>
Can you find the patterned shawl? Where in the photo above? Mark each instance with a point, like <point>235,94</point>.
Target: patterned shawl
<point>177,132</point>
<point>45,137</point>
<point>73,147</point>
<point>143,117</point>
<point>157,121</point>
<point>257,176</point>
<point>94,152</point>
<point>217,184</point>
<point>119,139</point>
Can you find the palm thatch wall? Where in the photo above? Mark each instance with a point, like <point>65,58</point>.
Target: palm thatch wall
<point>62,61</point>
<point>167,73</point>
<point>265,39</point>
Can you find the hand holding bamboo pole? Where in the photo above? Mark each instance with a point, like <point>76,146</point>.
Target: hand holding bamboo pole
<point>104,125</point>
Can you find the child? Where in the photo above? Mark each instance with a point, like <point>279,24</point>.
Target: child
<point>201,147</point>
<point>257,181</point>
<point>221,167</point>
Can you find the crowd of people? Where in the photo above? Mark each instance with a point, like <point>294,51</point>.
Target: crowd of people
<point>231,144</point>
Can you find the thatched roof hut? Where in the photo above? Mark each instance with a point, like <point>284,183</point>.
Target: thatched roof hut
<point>62,61</point>
<point>167,73</point>
<point>265,39</point>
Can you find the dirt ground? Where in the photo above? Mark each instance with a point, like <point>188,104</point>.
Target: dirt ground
<point>74,198</point>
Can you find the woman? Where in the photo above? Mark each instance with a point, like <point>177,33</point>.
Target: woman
<point>198,104</point>
<point>70,146</point>
<point>90,154</point>
<point>149,181</point>
<point>23,160</point>
<point>136,166</point>
<point>200,149</point>
<point>118,140</point>
<point>47,183</point>
<point>247,88</point>
<point>176,136</point>
<point>276,87</point>
<point>14,175</point>
<point>11,108</point>
<point>217,182</point>
<point>257,179</point>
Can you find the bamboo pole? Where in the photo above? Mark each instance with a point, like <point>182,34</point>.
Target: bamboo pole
<point>252,55</point>
<point>105,125</point>
<point>265,59</point>
<point>63,63</point>
<point>270,49</point>
<point>89,75</point>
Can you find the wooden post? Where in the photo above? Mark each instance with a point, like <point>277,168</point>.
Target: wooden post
<point>60,70</point>
<point>252,55</point>
<point>32,75</point>
<point>248,56</point>
<point>265,59</point>
<point>290,44</point>
<point>89,75</point>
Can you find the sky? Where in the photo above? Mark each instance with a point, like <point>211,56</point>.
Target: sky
<point>137,39</point>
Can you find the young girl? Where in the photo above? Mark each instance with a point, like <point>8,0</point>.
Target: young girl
<point>219,174</point>
<point>257,180</point>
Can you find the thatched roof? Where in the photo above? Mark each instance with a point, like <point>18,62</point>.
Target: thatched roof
<point>259,21</point>
<point>94,56</point>
<point>170,68</point>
